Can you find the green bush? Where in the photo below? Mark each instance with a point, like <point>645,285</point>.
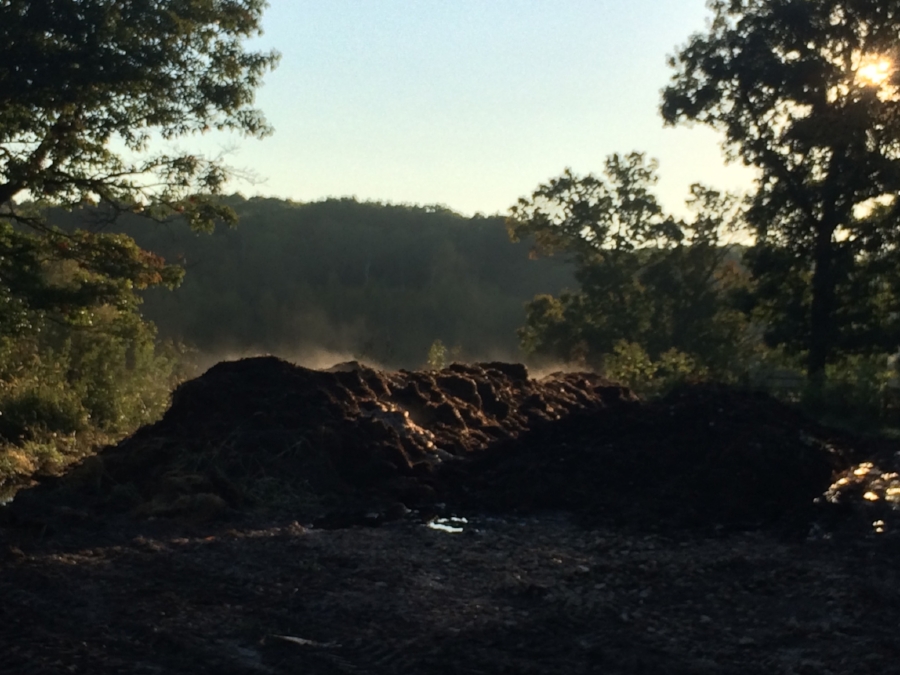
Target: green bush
<point>856,392</point>
<point>437,356</point>
<point>64,390</point>
<point>630,364</point>
<point>48,408</point>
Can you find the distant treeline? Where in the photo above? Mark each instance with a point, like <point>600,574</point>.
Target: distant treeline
<point>375,281</point>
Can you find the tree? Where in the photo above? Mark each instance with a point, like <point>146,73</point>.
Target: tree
<point>592,216</point>
<point>86,87</point>
<point>644,277</point>
<point>808,93</point>
<point>597,221</point>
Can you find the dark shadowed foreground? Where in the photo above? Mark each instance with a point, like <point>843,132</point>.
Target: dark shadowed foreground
<point>282,520</point>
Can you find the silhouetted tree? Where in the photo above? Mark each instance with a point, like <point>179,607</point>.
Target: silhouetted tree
<point>807,92</point>
<point>85,86</point>
<point>644,277</point>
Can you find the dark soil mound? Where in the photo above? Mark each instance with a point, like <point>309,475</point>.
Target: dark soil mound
<point>263,432</point>
<point>701,456</point>
<point>353,444</point>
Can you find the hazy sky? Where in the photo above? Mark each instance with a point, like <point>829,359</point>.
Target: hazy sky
<point>469,103</point>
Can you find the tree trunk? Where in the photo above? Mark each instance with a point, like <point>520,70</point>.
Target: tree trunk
<point>821,324</point>
<point>8,191</point>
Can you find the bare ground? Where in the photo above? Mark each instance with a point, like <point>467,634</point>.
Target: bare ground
<point>507,595</point>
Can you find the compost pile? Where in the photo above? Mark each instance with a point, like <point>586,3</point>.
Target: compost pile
<point>263,433</point>
<point>353,445</point>
<point>703,456</point>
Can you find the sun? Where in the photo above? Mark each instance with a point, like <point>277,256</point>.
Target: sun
<point>875,71</point>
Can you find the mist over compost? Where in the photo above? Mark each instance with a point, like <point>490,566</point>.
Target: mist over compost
<point>353,445</point>
<point>376,281</point>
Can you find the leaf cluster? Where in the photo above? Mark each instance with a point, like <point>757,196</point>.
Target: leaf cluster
<point>786,83</point>
<point>64,390</point>
<point>645,278</point>
<point>589,217</point>
<point>87,89</point>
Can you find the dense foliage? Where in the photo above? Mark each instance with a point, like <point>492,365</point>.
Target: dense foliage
<point>649,283</point>
<point>65,390</point>
<point>807,92</point>
<point>88,88</point>
<point>85,87</point>
<point>376,281</point>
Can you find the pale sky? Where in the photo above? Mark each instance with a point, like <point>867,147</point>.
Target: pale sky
<point>469,103</point>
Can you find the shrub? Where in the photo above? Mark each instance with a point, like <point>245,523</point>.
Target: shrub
<point>65,390</point>
<point>630,364</point>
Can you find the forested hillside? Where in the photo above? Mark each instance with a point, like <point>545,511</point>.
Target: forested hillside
<point>369,280</point>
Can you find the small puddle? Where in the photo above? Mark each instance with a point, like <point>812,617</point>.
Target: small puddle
<point>452,525</point>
